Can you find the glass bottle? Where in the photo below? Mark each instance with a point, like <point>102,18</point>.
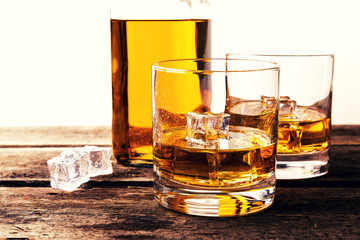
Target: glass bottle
<point>142,33</point>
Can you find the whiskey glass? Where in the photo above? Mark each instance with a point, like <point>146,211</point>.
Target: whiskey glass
<point>144,32</point>
<point>214,135</point>
<point>304,113</point>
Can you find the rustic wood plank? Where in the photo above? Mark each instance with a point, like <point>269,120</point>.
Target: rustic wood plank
<point>30,165</point>
<point>121,205</point>
<point>345,135</point>
<point>345,130</point>
<point>345,140</point>
<point>132,213</point>
<point>53,136</point>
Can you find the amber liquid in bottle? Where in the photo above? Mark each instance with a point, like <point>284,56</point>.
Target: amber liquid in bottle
<point>135,46</point>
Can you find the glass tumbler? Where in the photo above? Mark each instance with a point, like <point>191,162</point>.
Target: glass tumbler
<point>144,32</point>
<point>304,114</point>
<point>214,149</point>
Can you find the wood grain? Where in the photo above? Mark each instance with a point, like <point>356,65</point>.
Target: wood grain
<point>132,213</point>
<point>122,206</point>
<point>30,164</point>
<point>54,136</point>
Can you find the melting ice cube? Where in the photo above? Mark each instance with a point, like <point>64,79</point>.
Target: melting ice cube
<point>287,107</point>
<point>74,167</point>
<point>68,170</point>
<point>99,160</point>
<point>268,102</point>
<point>207,129</point>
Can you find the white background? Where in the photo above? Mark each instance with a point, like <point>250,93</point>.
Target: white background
<point>55,54</point>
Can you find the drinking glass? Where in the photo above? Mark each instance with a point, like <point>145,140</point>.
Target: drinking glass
<point>144,32</point>
<point>304,114</point>
<point>214,147</point>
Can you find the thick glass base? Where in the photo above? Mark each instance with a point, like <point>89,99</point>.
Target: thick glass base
<point>301,166</point>
<point>215,202</point>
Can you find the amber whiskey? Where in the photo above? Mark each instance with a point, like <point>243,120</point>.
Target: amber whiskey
<point>135,46</point>
<point>306,130</point>
<point>246,156</point>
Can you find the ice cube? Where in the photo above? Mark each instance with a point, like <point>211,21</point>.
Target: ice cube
<point>290,136</point>
<point>99,160</point>
<point>74,167</point>
<point>285,98</point>
<point>207,129</point>
<point>287,107</point>
<point>268,102</point>
<point>68,170</point>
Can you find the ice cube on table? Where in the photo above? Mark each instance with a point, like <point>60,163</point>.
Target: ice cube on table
<point>75,166</point>
<point>68,170</point>
<point>99,160</point>
<point>206,129</point>
<point>287,107</point>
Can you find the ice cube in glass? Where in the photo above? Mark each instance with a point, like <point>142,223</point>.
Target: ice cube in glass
<point>206,128</point>
<point>287,107</point>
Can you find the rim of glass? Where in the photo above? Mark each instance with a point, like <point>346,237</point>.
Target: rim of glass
<point>157,65</point>
<point>282,54</point>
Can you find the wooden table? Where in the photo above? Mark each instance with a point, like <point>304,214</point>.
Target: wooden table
<point>122,206</point>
